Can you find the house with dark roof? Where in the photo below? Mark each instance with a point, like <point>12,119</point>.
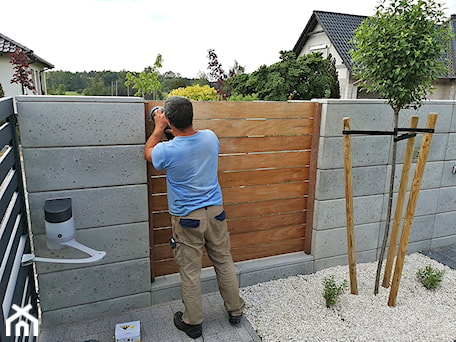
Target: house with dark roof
<point>38,66</point>
<point>330,33</point>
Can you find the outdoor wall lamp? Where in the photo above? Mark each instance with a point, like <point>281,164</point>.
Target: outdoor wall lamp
<point>60,233</point>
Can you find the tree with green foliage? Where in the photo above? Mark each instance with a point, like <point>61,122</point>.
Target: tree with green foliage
<point>73,81</point>
<point>146,82</point>
<point>201,79</point>
<point>303,78</point>
<point>97,88</point>
<point>235,97</point>
<point>239,85</point>
<point>196,92</point>
<point>398,53</point>
<point>171,80</point>
<point>114,82</point>
<point>2,93</point>
<point>61,89</point>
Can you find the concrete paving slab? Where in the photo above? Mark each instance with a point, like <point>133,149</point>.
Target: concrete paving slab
<point>157,325</point>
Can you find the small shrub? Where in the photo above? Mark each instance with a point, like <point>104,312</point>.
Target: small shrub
<point>196,93</point>
<point>332,290</point>
<point>430,277</point>
<point>239,97</point>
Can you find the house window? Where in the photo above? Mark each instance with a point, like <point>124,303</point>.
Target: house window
<point>322,48</point>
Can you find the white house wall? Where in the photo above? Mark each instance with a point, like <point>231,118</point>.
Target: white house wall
<point>6,73</point>
<point>347,90</point>
<point>14,89</point>
<point>444,90</point>
<point>319,37</point>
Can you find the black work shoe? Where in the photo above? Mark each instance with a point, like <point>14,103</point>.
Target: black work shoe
<point>193,331</point>
<point>235,319</point>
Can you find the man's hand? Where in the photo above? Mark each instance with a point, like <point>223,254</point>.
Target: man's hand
<point>157,135</point>
<point>160,120</point>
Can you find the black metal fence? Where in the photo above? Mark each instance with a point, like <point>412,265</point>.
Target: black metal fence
<point>18,294</point>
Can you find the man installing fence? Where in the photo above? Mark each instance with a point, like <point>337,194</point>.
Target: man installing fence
<point>195,204</point>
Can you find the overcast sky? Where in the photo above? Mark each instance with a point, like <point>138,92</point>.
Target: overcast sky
<point>116,35</point>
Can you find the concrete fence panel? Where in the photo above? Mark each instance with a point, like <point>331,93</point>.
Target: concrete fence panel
<point>89,149</point>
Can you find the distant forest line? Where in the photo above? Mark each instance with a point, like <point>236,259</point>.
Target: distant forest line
<point>110,83</point>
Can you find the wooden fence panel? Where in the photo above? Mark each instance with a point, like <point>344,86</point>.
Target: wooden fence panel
<point>265,168</point>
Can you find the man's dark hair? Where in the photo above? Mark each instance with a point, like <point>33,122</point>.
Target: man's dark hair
<point>179,111</point>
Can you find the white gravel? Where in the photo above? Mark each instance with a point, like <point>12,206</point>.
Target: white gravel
<point>293,309</point>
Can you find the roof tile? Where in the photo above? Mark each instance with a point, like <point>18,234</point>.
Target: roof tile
<point>7,45</point>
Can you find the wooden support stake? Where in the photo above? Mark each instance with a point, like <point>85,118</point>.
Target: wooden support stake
<point>408,158</point>
<point>410,212</point>
<point>349,208</point>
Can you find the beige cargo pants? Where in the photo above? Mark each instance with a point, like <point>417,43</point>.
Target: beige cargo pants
<point>207,228</point>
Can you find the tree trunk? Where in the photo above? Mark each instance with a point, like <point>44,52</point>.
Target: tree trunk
<point>390,201</point>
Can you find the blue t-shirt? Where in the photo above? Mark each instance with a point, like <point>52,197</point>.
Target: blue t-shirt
<point>191,164</point>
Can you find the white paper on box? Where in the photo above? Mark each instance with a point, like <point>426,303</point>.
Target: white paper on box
<point>128,332</point>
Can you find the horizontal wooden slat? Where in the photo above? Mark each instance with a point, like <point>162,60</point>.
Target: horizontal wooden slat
<point>245,128</point>
<point>165,267</point>
<point>262,251</point>
<point>162,236</point>
<point>263,109</point>
<point>266,237</point>
<point>158,185</point>
<point>263,192</point>
<point>159,202</point>
<point>261,223</point>
<point>161,219</point>
<point>163,252</point>
<point>217,110</point>
<point>258,177</point>
<point>265,208</point>
<point>264,144</point>
<point>263,161</point>
<point>154,172</point>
